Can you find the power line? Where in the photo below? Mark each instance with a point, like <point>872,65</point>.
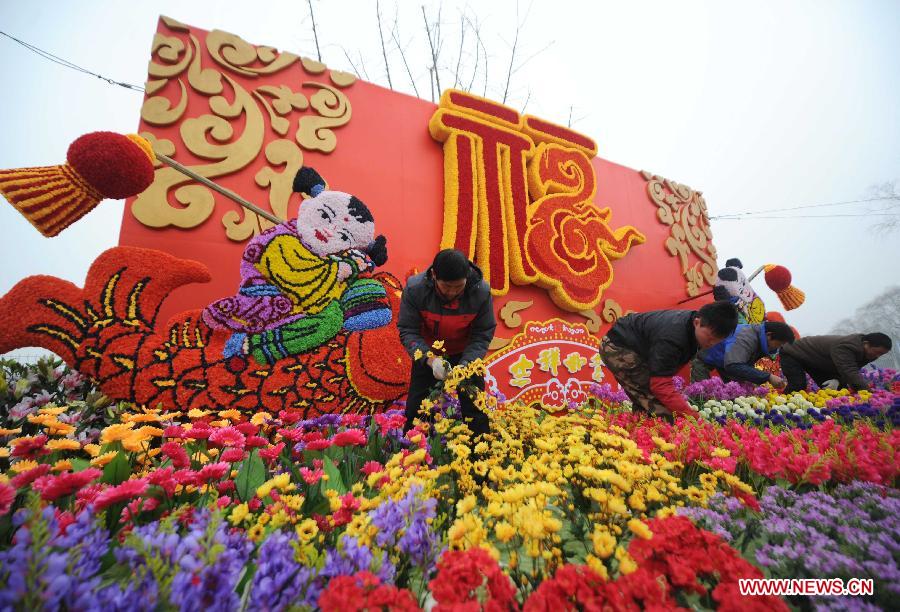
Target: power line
<point>803,217</point>
<point>67,64</point>
<point>844,203</point>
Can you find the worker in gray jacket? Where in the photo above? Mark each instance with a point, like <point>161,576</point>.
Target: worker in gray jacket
<point>832,361</point>
<point>735,356</point>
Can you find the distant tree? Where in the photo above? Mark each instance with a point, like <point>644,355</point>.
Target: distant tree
<point>888,193</point>
<point>882,314</point>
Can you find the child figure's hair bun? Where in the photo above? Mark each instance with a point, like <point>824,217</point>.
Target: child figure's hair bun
<point>377,250</point>
<point>309,182</point>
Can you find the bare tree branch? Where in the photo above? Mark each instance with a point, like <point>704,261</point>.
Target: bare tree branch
<point>476,27</point>
<point>362,64</point>
<point>434,50</point>
<point>462,40</point>
<point>477,54</point>
<point>527,100</point>
<point>352,65</point>
<point>533,55</point>
<point>512,56</point>
<point>395,34</point>
<point>315,33</point>
<point>431,82</point>
<point>387,67</point>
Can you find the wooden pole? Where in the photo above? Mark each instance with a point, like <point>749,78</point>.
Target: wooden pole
<point>225,192</point>
<point>700,295</point>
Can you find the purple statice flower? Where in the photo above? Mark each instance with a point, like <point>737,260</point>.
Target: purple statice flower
<point>280,582</point>
<point>851,532</point>
<point>404,524</point>
<point>210,562</point>
<point>320,422</point>
<point>605,393</point>
<point>351,557</point>
<point>62,569</point>
<point>716,388</point>
<point>14,565</point>
<point>202,564</point>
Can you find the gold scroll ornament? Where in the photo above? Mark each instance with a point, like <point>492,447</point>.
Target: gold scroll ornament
<point>684,211</point>
<point>177,60</point>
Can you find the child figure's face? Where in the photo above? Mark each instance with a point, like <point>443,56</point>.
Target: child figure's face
<point>326,225</point>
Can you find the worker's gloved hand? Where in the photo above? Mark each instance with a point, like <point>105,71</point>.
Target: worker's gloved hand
<point>776,381</point>
<point>439,367</point>
<point>831,384</point>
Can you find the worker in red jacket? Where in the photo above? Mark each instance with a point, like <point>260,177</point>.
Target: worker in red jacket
<point>449,302</point>
<point>645,350</point>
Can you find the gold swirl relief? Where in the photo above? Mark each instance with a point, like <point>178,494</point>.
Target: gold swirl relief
<point>684,210</point>
<point>593,320</point>
<point>280,184</point>
<point>231,135</point>
<point>509,314</point>
<point>152,207</point>
<point>237,55</point>
<point>316,133</point>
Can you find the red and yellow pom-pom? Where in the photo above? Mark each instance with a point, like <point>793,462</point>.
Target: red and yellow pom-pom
<point>778,278</point>
<point>99,165</point>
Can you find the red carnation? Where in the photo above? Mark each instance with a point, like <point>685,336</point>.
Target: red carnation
<point>30,448</point>
<point>213,471</point>
<point>174,431</point>
<point>66,483</point>
<point>461,574</point>
<point>177,454</point>
<point>271,453</point>
<point>318,445</point>
<point>200,431</point>
<point>232,455</point>
<point>7,497</point>
<point>123,492</point>
<point>247,428</point>
<point>370,467</point>
<point>350,437</point>
<point>256,442</point>
<point>364,591</point>
<point>26,478</point>
<point>228,436</point>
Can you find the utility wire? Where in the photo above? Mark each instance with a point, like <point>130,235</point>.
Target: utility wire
<point>768,210</point>
<point>67,64</point>
<point>802,217</point>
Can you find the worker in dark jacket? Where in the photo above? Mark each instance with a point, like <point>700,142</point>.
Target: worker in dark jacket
<point>450,302</point>
<point>831,361</point>
<point>733,358</point>
<point>644,351</point>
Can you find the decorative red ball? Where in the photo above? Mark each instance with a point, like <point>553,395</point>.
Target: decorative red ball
<point>111,163</point>
<point>778,278</point>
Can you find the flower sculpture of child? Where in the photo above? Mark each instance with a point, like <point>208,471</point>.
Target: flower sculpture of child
<point>302,281</point>
<point>732,284</point>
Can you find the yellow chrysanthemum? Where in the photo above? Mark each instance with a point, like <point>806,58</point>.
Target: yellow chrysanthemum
<point>23,466</point>
<point>62,465</point>
<point>307,530</point>
<point>640,529</point>
<point>63,444</point>
<point>102,460</point>
<point>117,432</point>
<point>260,418</point>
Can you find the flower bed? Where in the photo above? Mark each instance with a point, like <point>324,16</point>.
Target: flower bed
<point>221,510</point>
